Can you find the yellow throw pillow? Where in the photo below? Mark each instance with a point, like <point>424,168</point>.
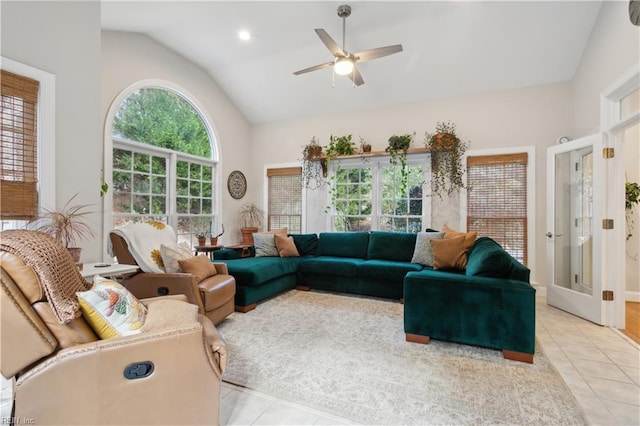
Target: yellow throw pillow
<point>451,253</point>
<point>200,266</point>
<point>285,245</point>
<point>111,310</point>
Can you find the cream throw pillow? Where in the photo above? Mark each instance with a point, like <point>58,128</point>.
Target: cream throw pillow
<point>110,309</point>
<point>423,254</point>
<point>169,313</point>
<point>265,245</point>
<point>172,253</point>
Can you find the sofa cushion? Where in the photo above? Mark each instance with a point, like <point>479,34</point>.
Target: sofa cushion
<point>198,266</point>
<point>488,259</point>
<point>451,253</point>
<point>307,244</point>
<point>253,271</point>
<point>172,253</point>
<point>388,270</point>
<point>285,245</point>
<point>396,246</point>
<point>111,310</point>
<point>331,265</point>
<point>423,254</point>
<point>265,244</point>
<point>343,244</point>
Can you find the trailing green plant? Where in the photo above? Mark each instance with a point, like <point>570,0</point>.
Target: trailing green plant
<point>311,167</point>
<point>447,151</point>
<point>632,198</point>
<point>104,186</point>
<point>341,145</point>
<point>397,150</point>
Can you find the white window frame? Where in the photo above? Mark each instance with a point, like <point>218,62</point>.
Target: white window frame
<point>46,131</point>
<point>108,150</point>
<point>376,164</point>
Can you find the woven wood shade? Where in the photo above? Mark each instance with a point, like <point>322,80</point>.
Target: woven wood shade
<point>285,199</point>
<point>497,200</point>
<point>18,151</point>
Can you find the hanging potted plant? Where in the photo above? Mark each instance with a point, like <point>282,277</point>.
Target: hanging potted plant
<point>397,150</point>
<point>311,168</point>
<point>447,152</point>
<point>251,217</point>
<point>338,146</point>
<point>632,198</point>
<point>67,226</point>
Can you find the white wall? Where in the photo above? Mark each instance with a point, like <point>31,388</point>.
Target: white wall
<point>63,38</point>
<point>128,58</point>
<point>613,49</point>
<point>531,116</point>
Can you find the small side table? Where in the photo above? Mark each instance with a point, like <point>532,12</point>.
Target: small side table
<point>207,249</point>
<point>89,270</point>
<point>244,249</point>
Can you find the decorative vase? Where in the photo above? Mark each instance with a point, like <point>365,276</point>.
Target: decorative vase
<point>247,235</point>
<point>214,241</point>
<point>366,148</point>
<point>202,241</point>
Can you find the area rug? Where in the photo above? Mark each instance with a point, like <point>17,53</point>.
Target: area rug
<point>347,355</point>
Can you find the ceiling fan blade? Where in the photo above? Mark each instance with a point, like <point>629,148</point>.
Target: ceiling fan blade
<point>314,68</point>
<point>356,77</point>
<point>367,55</point>
<point>330,43</point>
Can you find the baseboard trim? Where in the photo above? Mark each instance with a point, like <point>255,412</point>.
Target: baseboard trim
<point>632,296</point>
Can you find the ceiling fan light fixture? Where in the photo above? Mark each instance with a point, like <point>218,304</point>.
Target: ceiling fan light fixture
<point>343,66</point>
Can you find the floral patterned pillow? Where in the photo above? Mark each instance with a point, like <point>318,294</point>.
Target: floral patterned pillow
<point>111,310</point>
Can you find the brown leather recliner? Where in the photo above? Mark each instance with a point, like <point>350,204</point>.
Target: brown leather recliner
<point>66,375</point>
<point>214,295</point>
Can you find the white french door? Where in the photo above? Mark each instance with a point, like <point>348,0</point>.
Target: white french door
<point>575,179</point>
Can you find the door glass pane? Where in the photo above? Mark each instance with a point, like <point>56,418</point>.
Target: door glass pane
<point>573,233</point>
<point>630,104</point>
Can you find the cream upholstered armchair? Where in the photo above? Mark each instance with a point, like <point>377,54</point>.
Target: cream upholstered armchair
<point>169,373</point>
<point>140,243</point>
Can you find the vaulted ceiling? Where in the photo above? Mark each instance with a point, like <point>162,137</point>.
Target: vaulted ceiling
<point>451,48</point>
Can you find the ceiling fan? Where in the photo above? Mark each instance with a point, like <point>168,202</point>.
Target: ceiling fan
<point>345,62</point>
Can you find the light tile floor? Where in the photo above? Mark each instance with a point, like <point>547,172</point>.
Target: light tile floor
<point>600,365</point>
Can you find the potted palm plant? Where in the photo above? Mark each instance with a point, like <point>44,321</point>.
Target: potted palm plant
<point>67,226</point>
<point>447,152</point>
<point>251,216</point>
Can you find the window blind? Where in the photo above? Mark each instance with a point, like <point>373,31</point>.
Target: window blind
<point>18,151</point>
<point>497,200</point>
<point>284,207</point>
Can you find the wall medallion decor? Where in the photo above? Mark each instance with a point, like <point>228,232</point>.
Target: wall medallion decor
<point>237,184</point>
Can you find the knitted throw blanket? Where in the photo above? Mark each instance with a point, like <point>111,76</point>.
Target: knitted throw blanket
<point>54,266</point>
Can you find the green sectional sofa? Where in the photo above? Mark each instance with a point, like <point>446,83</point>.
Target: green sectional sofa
<point>491,304</point>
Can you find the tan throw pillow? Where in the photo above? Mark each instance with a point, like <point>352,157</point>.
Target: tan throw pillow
<point>168,313</point>
<point>171,253</point>
<point>284,231</point>
<point>200,266</point>
<point>285,245</point>
<point>451,253</point>
<point>452,233</point>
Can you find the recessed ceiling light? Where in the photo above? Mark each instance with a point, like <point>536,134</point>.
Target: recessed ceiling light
<point>244,35</point>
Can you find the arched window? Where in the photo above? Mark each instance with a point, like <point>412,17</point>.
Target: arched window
<point>163,163</point>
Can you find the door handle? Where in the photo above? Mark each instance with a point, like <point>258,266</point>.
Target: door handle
<point>550,235</point>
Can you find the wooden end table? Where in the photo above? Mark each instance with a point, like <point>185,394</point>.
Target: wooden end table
<point>207,250</point>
